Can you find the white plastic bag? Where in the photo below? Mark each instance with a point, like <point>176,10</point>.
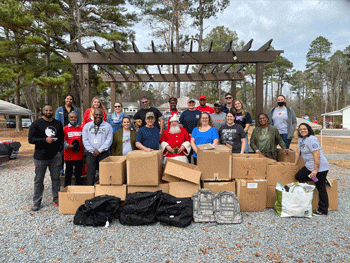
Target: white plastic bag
<point>295,203</point>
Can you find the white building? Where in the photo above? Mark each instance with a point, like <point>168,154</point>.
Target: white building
<point>344,112</point>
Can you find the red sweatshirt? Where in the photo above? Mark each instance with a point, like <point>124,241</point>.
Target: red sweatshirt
<point>73,133</point>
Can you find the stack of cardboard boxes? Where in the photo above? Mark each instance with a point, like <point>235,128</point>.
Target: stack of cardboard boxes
<point>251,176</point>
<point>249,171</point>
<point>215,163</point>
<point>112,177</point>
<point>144,170</point>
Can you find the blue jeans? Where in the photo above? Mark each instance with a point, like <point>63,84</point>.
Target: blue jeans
<point>40,169</point>
<point>286,140</point>
<point>246,150</point>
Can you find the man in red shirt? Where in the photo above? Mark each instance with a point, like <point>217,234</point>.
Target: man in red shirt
<point>73,150</point>
<point>203,105</point>
<point>175,141</point>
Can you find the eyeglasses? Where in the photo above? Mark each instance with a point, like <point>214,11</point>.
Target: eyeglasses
<point>205,118</point>
<point>117,106</point>
<point>228,98</point>
<point>144,102</point>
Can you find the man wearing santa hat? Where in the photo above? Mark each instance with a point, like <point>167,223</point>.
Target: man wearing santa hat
<point>175,141</point>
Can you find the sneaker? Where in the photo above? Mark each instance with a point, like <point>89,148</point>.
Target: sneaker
<point>35,207</point>
<point>328,182</point>
<point>55,203</point>
<point>318,213</point>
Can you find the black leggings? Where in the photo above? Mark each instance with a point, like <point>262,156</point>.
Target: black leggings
<point>303,176</point>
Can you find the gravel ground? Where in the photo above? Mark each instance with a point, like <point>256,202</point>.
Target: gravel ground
<point>46,236</point>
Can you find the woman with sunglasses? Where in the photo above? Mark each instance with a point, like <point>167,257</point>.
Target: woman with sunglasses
<point>115,119</point>
<point>204,133</point>
<point>89,113</point>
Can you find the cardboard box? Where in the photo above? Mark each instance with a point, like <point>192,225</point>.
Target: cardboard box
<point>183,189</point>
<point>113,170</point>
<point>144,168</point>
<point>133,189</point>
<point>73,196</point>
<point>220,186</point>
<point>290,157</point>
<point>176,171</point>
<point>270,195</point>
<point>281,172</point>
<point>214,162</point>
<point>252,155</point>
<point>247,167</point>
<point>251,194</point>
<point>332,195</point>
<point>114,190</point>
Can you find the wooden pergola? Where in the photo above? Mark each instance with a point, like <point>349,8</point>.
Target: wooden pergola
<point>206,62</point>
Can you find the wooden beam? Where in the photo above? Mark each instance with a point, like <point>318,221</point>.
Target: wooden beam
<point>113,95</point>
<point>259,90</point>
<point>174,58</point>
<point>245,48</point>
<point>229,46</point>
<point>174,77</point>
<point>86,85</point>
<point>266,46</point>
<point>119,51</point>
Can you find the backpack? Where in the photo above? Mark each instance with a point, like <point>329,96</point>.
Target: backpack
<point>175,211</point>
<point>226,208</point>
<point>140,208</point>
<point>203,206</point>
<point>97,211</point>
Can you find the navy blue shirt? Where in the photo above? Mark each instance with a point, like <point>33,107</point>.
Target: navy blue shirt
<point>148,137</point>
<point>189,119</point>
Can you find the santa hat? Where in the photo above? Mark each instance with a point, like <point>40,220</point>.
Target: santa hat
<point>174,118</point>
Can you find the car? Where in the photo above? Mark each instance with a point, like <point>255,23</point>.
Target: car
<point>11,123</point>
<point>26,123</point>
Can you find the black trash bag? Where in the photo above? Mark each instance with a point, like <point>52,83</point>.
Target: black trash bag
<point>97,211</point>
<point>140,208</point>
<point>76,146</point>
<point>175,211</point>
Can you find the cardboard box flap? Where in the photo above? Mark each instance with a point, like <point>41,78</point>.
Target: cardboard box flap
<point>208,146</point>
<point>114,159</point>
<point>79,189</point>
<point>181,170</point>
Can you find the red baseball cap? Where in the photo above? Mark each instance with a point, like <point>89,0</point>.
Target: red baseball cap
<point>202,97</point>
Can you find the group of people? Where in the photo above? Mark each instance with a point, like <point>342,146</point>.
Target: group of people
<point>176,133</point>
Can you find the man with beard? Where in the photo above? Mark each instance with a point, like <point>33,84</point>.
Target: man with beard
<point>97,139</point>
<point>203,107</point>
<point>47,136</point>
<point>146,108</point>
<point>175,141</point>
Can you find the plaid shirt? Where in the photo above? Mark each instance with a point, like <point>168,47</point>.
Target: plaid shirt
<point>167,115</point>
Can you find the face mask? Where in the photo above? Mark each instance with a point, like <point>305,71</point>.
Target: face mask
<point>73,123</point>
<point>281,103</point>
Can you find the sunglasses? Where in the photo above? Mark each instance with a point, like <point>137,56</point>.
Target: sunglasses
<point>144,102</point>
<point>117,106</point>
<point>228,98</point>
<point>202,99</point>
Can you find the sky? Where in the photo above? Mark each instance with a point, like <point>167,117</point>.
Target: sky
<point>292,24</point>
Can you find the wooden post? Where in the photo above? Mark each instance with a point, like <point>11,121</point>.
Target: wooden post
<point>86,85</point>
<point>259,91</point>
<point>234,89</point>
<point>112,95</point>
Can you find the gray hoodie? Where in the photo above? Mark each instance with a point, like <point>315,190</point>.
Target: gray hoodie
<point>97,137</point>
